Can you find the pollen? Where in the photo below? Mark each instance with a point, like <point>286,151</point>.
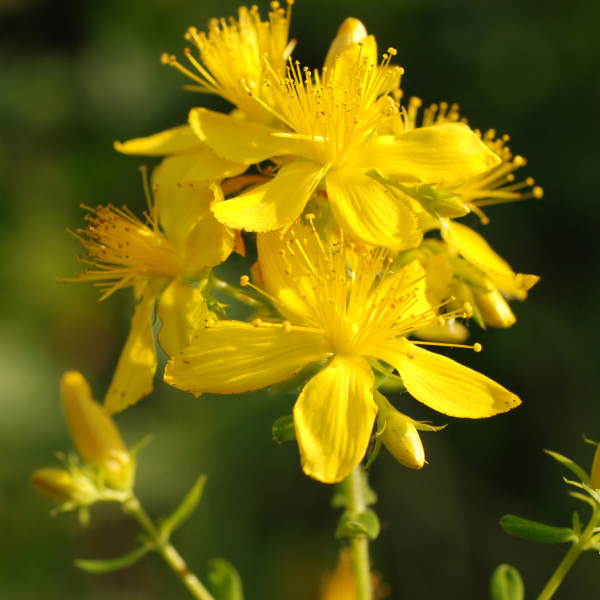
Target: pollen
<point>244,280</point>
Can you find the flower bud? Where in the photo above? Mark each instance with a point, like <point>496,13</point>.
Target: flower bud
<point>346,46</point>
<point>495,309</point>
<point>402,439</point>
<point>93,431</point>
<point>595,475</point>
<point>56,484</point>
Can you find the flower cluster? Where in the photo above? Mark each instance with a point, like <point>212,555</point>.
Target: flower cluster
<point>351,199</point>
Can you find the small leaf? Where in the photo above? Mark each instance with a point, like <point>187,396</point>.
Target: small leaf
<point>374,453</point>
<point>573,467</point>
<point>592,492</point>
<point>576,523</point>
<point>507,584</point>
<point>113,564</point>
<point>225,582</point>
<point>185,509</point>
<point>588,441</point>
<point>583,498</point>
<point>367,523</point>
<point>536,532</point>
<point>284,430</point>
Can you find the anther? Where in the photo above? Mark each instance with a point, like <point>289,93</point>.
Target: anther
<point>164,58</point>
<point>392,51</point>
<point>538,192</point>
<point>244,280</point>
<point>257,323</point>
<point>309,216</point>
<point>286,326</point>
<point>477,347</point>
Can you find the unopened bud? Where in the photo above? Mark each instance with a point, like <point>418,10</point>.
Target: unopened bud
<point>595,476</point>
<point>56,484</point>
<point>495,309</point>
<point>402,439</point>
<point>93,431</point>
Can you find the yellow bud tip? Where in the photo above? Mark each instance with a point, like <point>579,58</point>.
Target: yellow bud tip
<point>244,280</point>
<point>257,323</point>
<point>286,326</point>
<point>538,192</point>
<point>309,216</point>
<point>164,58</point>
<point>477,347</point>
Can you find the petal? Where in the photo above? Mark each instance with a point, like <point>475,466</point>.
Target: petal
<point>240,141</point>
<point>171,141</point>
<point>442,384</point>
<point>478,252</point>
<point>231,357</point>
<point>296,299</point>
<point>449,152</point>
<point>182,309</point>
<point>272,205</point>
<point>366,210</point>
<point>334,417</point>
<point>135,370</point>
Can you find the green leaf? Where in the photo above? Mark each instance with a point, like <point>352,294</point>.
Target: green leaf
<point>374,453</point>
<point>573,467</point>
<point>284,430</point>
<point>576,523</point>
<point>507,584</point>
<point>592,492</point>
<point>350,525</point>
<point>583,498</point>
<point>185,509</point>
<point>113,564</point>
<point>225,582</point>
<point>536,532</point>
<point>588,441</point>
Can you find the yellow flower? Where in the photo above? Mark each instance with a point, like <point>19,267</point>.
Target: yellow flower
<point>159,258</point>
<point>342,303</point>
<point>60,486</point>
<point>232,50</point>
<point>493,186</point>
<point>94,433</point>
<point>332,124</point>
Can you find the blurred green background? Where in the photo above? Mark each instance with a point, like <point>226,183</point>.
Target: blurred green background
<point>74,77</point>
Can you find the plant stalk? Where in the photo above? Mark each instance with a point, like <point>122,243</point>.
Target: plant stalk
<point>164,547</point>
<point>359,544</point>
<point>570,558</point>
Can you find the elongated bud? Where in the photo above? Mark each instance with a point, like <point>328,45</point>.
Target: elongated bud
<point>346,47</point>
<point>402,439</point>
<point>595,475</point>
<point>495,310</point>
<point>93,431</point>
<point>56,484</point>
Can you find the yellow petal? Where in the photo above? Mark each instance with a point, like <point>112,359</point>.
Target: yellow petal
<point>272,205</point>
<point>334,417</point>
<point>445,153</point>
<point>231,357</point>
<point>477,251</point>
<point>368,212</point>
<point>240,141</point>
<point>171,141</point>
<point>494,309</point>
<point>439,278</point>
<point>182,309</point>
<point>442,384</point>
<point>274,269</point>
<point>133,378</point>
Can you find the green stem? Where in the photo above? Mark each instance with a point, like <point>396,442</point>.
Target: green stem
<point>359,543</point>
<point>570,558</point>
<point>133,508</point>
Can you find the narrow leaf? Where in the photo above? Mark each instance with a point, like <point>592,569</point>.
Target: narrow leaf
<point>113,564</point>
<point>507,584</point>
<point>536,532</point>
<point>588,441</point>
<point>567,462</point>
<point>576,523</point>
<point>583,498</point>
<point>374,453</point>
<point>186,508</point>
<point>225,582</point>
<point>284,430</point>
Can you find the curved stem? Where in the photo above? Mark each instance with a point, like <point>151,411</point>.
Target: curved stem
<point>359,544</point>
<point>133,508</point>
<point>570,558</point>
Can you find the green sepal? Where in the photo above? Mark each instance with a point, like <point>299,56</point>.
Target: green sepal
<point>592,492</point>
<point>374,453</point>
<point>507,584</point>
<point>381,370</point>
<point>350,525</point>
<point>185,509</point>
<point>139,445</point>
<point>283,429</point>
<point>583,498</point>
<point>588,441</point>
<point>216,308</point>
<point>225,582</point>
<point>573,467</point>
<point>594,543</point>
<point>474,277</point>
<point>536,532</point>
<point>113,564</point>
